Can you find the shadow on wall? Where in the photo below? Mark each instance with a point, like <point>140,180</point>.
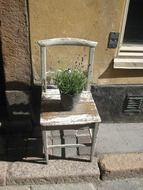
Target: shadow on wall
<point>110,72</point>
<point>23,106</point>
<point>19,102</point>
<point>3,107</point>
<point>11,101</point>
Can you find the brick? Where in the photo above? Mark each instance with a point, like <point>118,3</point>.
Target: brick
<point>64,152</point>
<point>84,140</point>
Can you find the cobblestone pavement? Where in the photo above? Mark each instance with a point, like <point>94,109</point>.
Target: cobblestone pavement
<point>22,162</point>
<point>124,184</point>
<point>111,138</point>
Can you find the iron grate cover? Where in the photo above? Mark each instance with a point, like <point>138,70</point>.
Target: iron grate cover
<point>133,104</point>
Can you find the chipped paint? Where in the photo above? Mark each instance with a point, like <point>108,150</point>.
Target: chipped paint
<point>54,94</point>
<point>70,120</point>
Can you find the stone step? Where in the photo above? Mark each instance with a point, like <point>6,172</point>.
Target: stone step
<point>114,166</point>
<point>71,170</point>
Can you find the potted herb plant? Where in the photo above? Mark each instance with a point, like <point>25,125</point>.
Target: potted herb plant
<point>70,82</point>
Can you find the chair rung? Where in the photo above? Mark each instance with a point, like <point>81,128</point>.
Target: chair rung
<point>67,145</point>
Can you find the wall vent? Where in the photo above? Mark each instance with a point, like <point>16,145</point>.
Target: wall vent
<point>133,104</point>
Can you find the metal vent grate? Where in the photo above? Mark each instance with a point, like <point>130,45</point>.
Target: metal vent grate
<point>133,104</point>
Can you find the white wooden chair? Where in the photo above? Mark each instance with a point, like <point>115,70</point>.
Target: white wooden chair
<point>84,114</point>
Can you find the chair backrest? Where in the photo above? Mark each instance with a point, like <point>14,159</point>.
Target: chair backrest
<point>66,41</point>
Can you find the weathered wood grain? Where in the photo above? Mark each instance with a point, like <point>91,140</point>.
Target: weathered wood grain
<point>54,94</point>
<point>84,112</point>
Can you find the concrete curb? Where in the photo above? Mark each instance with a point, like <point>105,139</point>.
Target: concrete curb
<point>128,165</point>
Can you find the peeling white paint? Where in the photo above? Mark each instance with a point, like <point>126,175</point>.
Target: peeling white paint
<point>67,41</point>
<point>70,120</point>
<point>51,94</point>
<point>54,94</point>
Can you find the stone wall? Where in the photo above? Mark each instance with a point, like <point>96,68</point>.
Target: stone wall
<point>16,62</point>
<point>15,44</point>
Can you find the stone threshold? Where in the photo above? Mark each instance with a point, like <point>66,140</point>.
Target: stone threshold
<point>69,170</point>
<point>57,171</point>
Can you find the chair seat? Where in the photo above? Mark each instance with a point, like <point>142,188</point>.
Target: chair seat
<point>83,113</point>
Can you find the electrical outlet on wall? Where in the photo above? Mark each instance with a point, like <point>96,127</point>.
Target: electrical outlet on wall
<point>113,39</point>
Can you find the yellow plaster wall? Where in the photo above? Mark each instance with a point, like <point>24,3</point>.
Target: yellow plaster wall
<point>89,19</point>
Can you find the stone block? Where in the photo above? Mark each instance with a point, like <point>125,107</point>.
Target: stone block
<point>3,172</point>
<point>84,140</point>
<point>114,166</point>
<point>15,188</point>
<point>79,186</point>
<point>19,103</point>
<point>122,184</point>
<point>68,136</point>
<point>57,171</point>
<point>64,152</point>
<point>57,133</point>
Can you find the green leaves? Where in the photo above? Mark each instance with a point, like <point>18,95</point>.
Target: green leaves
<point>70,81</point>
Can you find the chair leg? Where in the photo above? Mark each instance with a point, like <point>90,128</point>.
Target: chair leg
<point>45,144</point>
<point>94,134</point>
